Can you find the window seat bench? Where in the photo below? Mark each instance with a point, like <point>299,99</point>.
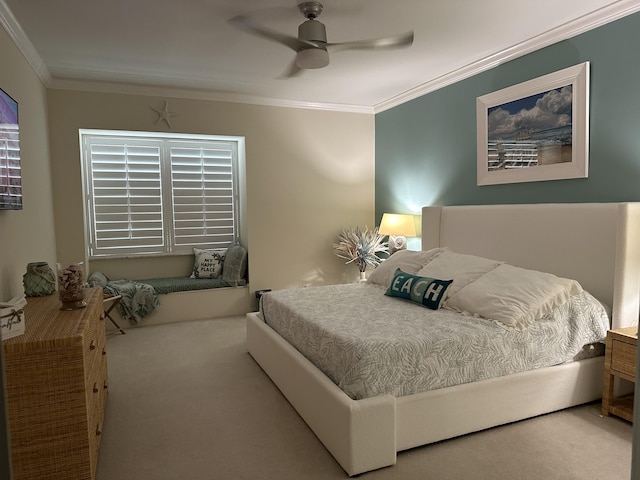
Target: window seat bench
<point>179,303</point>
<point>154,301</point>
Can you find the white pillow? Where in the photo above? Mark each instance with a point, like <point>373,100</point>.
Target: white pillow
<point>459,267</point>
<point>409,261</point>
<point>208,263</point>
<point>513,296</point>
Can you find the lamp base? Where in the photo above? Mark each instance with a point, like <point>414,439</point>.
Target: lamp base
<point>397,243</point>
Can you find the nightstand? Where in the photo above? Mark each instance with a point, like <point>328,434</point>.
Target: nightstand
<point>619,361</point>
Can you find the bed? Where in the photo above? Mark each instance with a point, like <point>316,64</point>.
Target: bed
<point>594,244</point>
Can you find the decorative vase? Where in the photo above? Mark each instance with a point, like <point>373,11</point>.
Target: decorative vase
<point>39,280</point>
<point>71,285</point>
<point>363,277</point>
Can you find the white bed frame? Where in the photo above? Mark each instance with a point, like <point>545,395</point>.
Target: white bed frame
<point>596,244</point>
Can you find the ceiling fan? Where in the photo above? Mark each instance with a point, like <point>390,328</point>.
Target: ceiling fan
<point>311,46</point>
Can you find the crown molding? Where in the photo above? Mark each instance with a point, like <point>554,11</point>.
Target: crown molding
<point>568,30</point>
<point>14,30</point>
<point>131,87</point>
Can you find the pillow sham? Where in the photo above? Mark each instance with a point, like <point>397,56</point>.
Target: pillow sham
<point>235,264</point>
<point>460,267</point>
<point>208,263</point>
<point>409,261</point>
<point>514,296</point>
<point>428,292</point>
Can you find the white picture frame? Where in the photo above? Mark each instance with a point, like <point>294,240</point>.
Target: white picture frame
<point>536,130</point>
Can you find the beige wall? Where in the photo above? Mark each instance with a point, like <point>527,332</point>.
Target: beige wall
<point>26,235</point>
<point>309,174</point>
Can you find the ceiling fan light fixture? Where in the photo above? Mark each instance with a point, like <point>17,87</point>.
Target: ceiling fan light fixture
<point>311,58</point>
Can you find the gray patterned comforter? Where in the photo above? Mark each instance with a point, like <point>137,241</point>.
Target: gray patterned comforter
<point>371,344</point>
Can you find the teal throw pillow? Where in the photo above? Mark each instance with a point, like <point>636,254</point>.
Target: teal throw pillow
<point>423,290</point>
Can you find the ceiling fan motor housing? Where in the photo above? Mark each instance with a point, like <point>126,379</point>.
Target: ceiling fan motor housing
<point>313,31</point>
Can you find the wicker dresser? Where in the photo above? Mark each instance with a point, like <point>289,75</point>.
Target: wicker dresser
<point>56,375</point>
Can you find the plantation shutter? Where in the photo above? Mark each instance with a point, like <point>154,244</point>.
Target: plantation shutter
<point>159,195</point>
<point>126,194</point>
<point>202,185</point>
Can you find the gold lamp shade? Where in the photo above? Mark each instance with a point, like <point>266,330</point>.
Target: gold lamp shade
<point>397,224</point>
<point>398,227</point>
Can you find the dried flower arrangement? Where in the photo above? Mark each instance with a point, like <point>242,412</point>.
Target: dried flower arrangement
<point>361,247</point>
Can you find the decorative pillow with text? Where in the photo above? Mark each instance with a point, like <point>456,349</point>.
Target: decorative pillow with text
<point>208,263</point>
<point>426,291</point>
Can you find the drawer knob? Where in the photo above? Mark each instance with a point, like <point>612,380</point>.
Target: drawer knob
<point>92,345</point>
<point>105,385</point>
<point>104,351</point>
<point>95,388</point>
<point>98,430</point>
<point>102,317</point>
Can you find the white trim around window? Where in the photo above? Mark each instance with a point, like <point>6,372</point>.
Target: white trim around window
<point>149,193</point>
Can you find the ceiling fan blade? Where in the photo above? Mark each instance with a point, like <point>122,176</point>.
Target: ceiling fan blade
<point>292,70</point>
<point>245,23</point>
<point>394,41</point>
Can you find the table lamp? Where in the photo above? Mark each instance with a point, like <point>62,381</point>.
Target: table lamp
<point>398,227</point>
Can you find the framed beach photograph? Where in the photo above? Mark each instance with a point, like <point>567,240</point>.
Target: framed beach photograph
<point>535,131</point>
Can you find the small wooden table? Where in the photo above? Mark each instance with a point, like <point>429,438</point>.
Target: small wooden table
<point>619,361</point>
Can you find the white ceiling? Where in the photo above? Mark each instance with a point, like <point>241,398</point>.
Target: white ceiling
<point>188,44</point>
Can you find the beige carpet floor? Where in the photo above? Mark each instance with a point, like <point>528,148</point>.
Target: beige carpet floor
<point>187,402</point>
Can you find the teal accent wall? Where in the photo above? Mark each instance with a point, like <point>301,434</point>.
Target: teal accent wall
<point>426,148</point>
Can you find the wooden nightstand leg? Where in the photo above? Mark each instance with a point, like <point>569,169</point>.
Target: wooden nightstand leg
<point>607,394</point>
<point>607,384</point>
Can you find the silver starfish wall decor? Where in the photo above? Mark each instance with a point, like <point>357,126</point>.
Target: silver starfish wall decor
<point>164,114</point>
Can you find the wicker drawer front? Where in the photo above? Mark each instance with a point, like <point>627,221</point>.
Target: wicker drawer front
<point>97,391</point>
<point>93,342</point>
<point>95,347</point>
<point>47,414</point>
<point>623,358</point>
<point>97,396</point>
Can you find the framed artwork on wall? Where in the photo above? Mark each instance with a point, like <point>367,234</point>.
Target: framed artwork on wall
<point>536,130</point>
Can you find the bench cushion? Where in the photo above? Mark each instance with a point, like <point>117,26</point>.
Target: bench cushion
<point>185,284</point>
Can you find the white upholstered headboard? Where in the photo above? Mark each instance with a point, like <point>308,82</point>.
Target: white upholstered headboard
<point>597,244</point>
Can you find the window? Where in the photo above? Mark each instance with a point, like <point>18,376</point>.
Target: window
<point>159,194</point>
